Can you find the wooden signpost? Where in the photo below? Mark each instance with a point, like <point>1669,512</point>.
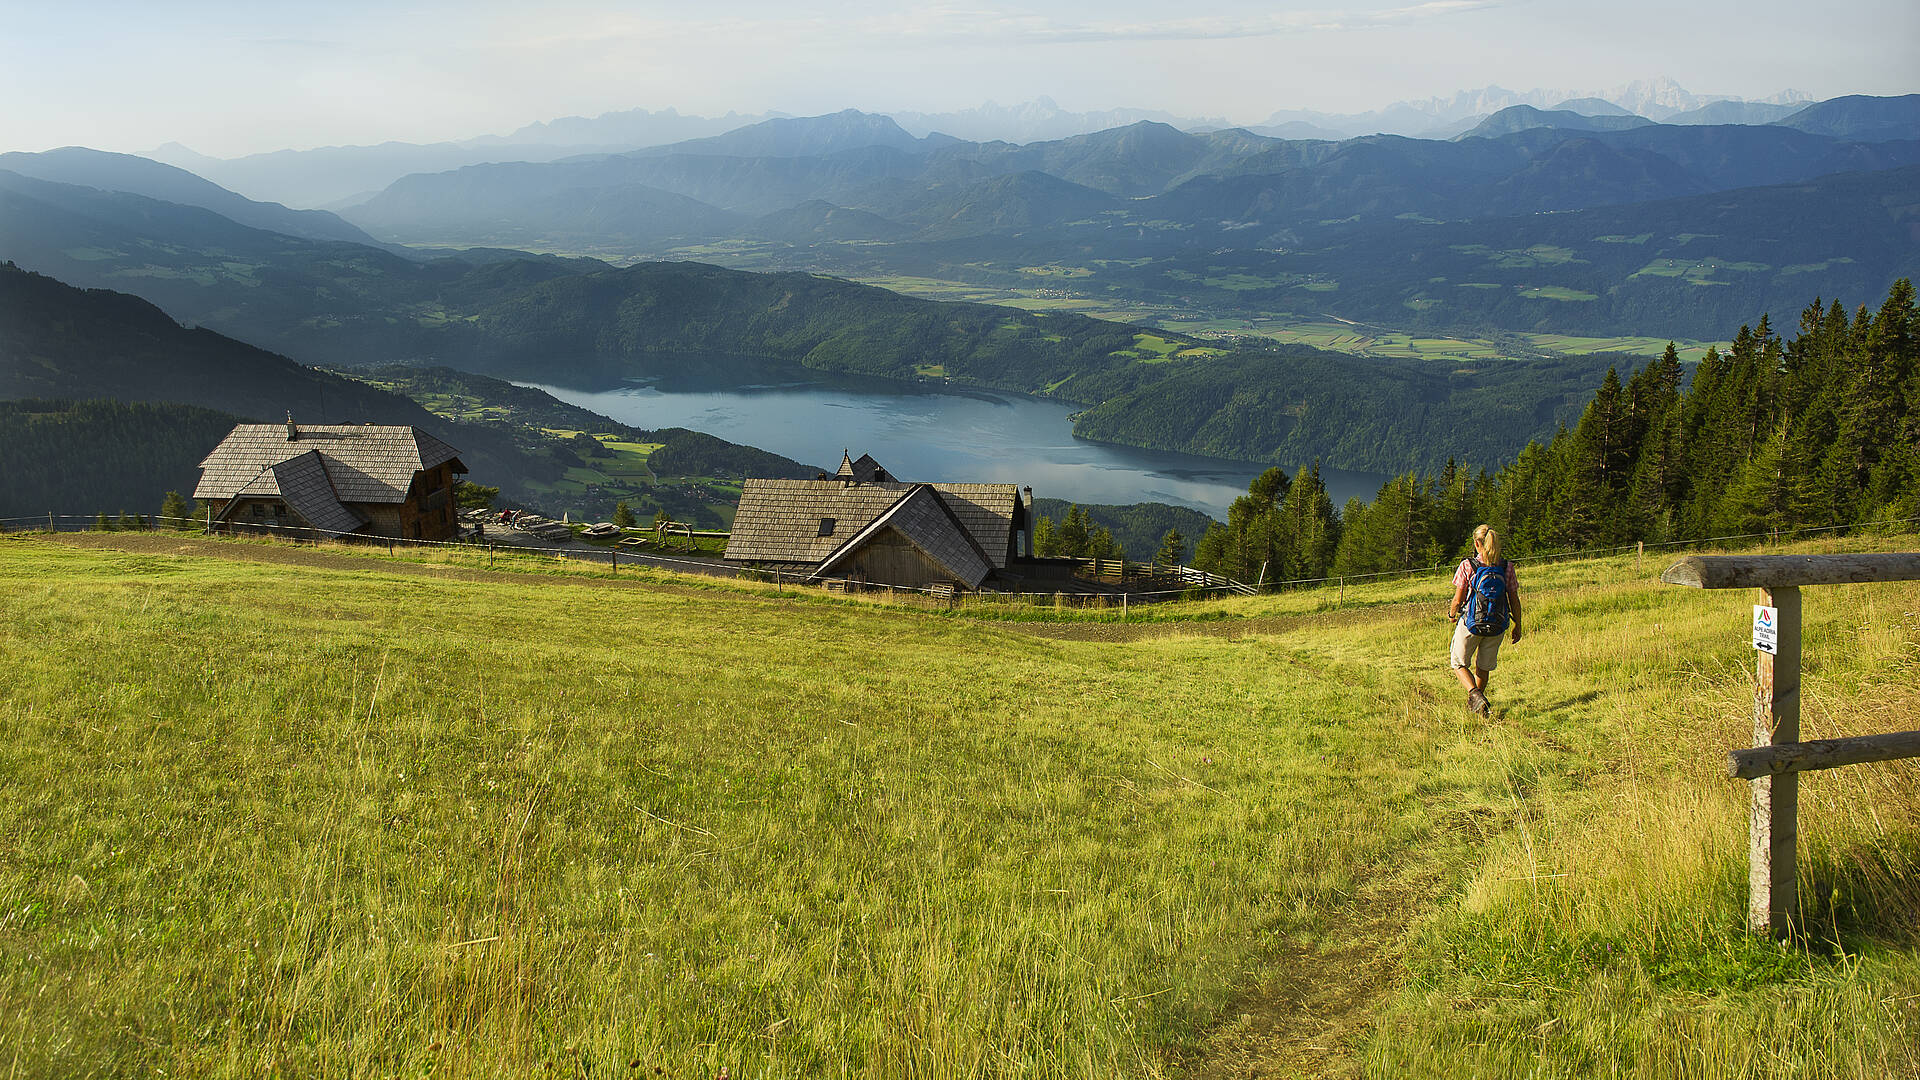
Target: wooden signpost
<point>1778,756</point>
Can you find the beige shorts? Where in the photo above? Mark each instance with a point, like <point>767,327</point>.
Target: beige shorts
<point>1473,651</point>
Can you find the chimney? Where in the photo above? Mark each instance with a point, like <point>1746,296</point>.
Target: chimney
<point>293,433</point>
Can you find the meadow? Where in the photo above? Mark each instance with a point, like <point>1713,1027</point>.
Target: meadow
<point>267,810</point>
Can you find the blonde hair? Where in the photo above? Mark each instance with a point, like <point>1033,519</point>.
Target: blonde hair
<point>1487,542</point>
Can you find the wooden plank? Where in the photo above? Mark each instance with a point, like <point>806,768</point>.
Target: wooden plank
<point>1821,754</point>
<point>1771,571</point>
<point>1773,834</point>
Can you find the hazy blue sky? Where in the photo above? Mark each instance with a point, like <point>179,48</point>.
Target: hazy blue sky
<point>231,78</point>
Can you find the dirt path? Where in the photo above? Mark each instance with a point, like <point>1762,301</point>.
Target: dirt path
<point>1308,1020</point>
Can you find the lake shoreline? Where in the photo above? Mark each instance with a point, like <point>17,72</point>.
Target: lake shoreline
<point>934,430</point>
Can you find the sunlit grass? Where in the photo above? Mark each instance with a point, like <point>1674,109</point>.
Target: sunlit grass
<point>393,817</point>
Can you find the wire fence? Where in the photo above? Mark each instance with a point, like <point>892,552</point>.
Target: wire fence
<point>1195,584</point>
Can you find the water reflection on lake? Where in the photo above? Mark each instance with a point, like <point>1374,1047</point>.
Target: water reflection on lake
<point>967,436</point>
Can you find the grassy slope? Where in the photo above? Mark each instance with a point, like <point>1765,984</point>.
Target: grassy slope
<point>381,817</point>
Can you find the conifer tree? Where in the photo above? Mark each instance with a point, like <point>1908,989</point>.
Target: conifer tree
<point>1046,544</point>
<point>1210,552</point>
<point>175,512</point>
<point>1308,526</point>
<point>1075,534</point>
<point>1173,549</point>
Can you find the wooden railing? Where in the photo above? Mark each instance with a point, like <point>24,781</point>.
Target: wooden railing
<point>1778,756</point>
<point>1162,574</point>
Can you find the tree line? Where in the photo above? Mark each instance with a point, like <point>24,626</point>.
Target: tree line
<point>1773,434</point>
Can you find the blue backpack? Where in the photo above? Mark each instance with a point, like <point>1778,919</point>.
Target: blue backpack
<point>1486,614</point>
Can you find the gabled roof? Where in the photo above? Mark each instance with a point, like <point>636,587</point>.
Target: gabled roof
<point>361,463</point>
<point>987,511</point>
<point>305,487</point>
<point>925,521</point>
<point>780,521</point>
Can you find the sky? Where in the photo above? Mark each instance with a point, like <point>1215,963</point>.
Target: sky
<point>228,78</point>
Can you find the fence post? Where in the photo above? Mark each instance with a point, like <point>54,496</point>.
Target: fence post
<point>1773,898</point>
<point>1639,554</point>
<point>50,525</point>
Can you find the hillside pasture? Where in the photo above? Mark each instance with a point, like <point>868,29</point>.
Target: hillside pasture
<point>275,810</point>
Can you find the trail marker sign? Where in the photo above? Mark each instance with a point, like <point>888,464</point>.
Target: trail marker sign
<point>1766,629</point>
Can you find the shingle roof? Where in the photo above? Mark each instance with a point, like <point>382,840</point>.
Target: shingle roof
<point>986,510</point>
<point>363,463</point>
<point>304,485</point>
<point>924,519</point>
<point>779,521</point>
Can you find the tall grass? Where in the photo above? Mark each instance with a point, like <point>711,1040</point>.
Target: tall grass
<point>366,820</point>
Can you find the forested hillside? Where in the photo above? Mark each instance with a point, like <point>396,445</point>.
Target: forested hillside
<point>1773,434</point>
<point>94,457</point>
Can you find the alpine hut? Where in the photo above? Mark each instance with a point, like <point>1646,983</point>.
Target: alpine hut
<point>332,480</point>
<point>863,525</point>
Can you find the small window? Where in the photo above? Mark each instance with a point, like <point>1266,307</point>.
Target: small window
<point>826,526</point>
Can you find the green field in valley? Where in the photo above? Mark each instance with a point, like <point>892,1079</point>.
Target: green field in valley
<point>1321,333</point>
<point>276,810</point>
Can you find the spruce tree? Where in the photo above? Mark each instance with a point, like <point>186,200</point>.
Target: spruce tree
<point>1046,544</point>
<point>1210,553</point>
<point>175,512</point>
<point>1075,534</point>
<point>1173,549</point>
<point>1311,532</point>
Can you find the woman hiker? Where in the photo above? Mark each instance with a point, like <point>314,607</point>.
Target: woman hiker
<point>1487,594</point>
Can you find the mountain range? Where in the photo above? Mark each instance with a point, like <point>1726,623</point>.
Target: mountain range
<point>584,323</point>
<point>329,176</point>
<point>1229,224</point>
<point>1539,221</point>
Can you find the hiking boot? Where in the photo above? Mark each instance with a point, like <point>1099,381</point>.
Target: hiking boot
<point>1477,701</point>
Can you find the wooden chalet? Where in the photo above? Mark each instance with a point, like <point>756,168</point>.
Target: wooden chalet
<point>863,525</point>
<point>332,480</point>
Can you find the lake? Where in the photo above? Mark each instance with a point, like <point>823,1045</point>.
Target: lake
<point>972,436</point>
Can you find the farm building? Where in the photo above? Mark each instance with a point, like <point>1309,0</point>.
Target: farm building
<point>332,480</point>
<point>863,525</point>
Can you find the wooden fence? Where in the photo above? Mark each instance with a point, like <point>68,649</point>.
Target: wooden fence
<point>1778,756</point>
<point>1154,575</point>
